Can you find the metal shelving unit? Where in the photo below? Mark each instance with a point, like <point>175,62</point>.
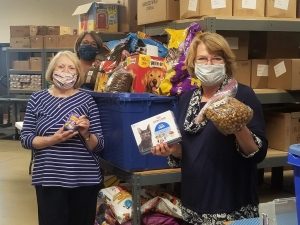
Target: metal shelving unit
<point>139,179</point>
<point>43,53</point>
<point>214,24</point>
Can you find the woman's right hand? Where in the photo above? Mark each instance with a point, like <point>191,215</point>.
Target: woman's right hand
<point>163,149</point>
<point>62,135</point>
<point>40,142</point>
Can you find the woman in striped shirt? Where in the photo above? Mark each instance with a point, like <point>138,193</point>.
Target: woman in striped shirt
<point>66,172</point>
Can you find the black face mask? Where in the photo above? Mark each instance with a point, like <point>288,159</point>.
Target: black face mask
<point>87,52</point>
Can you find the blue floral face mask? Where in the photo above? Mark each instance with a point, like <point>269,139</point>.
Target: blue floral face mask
<point>87,52</point>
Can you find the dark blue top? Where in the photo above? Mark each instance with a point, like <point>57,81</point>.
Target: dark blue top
<point>69,163</point>
<point>216,178</point>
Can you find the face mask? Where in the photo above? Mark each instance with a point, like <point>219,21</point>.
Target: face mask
<point>87,52</point>
<point>210,75</point>
<point>64,80</point>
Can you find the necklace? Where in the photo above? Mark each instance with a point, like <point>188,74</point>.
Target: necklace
<point>61,102</point>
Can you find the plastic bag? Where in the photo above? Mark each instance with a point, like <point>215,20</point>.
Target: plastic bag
<point>228,114</point>
<point>119,81</point>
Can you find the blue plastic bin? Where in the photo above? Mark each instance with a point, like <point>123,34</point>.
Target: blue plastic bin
<point>117,112</point>
<point>294,159</point>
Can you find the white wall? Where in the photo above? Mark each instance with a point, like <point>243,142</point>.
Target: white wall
<point>37,12</point>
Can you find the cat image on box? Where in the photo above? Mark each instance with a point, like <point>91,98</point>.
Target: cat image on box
<point>146,139</point>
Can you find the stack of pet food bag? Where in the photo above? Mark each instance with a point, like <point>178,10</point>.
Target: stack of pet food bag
<point>139,64</point>
<point>114,207</point>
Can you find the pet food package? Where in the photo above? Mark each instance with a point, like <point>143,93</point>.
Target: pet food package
<point>119,201</point>
<point>229,114</point>
<point>154,130</point>
<point>147,71</point>
<point>119,81</point>
<point>71,122</point>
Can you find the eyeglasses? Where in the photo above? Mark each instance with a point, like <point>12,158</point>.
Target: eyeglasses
<point>86,42</point>
<point>213,60</point>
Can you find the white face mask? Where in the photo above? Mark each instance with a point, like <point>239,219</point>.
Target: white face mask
<point>210,75</point>
<point>64,80</point>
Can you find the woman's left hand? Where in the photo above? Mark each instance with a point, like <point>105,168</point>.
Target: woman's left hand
<point>83,124</point>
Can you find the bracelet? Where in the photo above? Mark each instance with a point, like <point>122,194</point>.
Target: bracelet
<point>88,137</point>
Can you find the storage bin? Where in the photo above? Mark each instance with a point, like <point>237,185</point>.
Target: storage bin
<point>294,159</point>
<point>280,211</point>
<point>117,112</point>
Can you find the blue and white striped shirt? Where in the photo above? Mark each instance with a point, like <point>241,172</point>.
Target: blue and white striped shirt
<point>69,163</point>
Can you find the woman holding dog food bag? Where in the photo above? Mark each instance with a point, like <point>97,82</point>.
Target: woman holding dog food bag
<point>218,155</point>
<point>62,127</point>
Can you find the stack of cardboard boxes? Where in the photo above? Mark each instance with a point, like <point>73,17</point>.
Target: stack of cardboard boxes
<point>48,37</point>
<point>167,10</point>
<point>34,37</point>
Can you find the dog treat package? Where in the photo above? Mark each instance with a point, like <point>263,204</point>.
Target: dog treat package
<point>119,81</point>
<point>71,122</point>
<point>147,71</point>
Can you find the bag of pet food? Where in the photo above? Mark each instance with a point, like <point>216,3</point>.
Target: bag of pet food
<point>228,114</point>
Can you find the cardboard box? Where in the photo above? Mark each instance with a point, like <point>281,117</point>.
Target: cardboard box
<point>51,41</point>
<point>148,72</point>
<point>59,30</point>
<point>253,8</point>
<point>282,129</point>
<point>128,16</point>
<point>238,42</point>
<point>284,74</point>
<point>42,30</point>
<point>20,65</point>
<point>37,42</point>
<point>157,11</point>
<point>298,8</point>
<point>259,73</point>
<point>20,42</point>
<point>23,31</point>
<point>276,48</point>
<point>35,63</point>
<point>243,72</point>
<point>281,9</point>
<point>199,8</point>
<point>67,41</point>
<point>98,16</point>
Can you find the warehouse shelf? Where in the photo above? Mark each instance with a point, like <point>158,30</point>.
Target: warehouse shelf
<point>29,50</point>
<point>214,24</point>
<point>274,96</point>
<point>31,72</point>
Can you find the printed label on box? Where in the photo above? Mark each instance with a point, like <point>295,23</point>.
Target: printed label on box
<point>249,4</point>
<point>262,70</point>
<point>161,128</point>
<point>218,4</point>
<point>281,4</point>
<point>192,5</point>
<point>279,69</point>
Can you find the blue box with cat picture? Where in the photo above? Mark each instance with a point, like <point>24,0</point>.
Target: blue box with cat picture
<point>117,112</point>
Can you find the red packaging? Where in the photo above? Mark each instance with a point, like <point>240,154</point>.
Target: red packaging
<point>147,71</point>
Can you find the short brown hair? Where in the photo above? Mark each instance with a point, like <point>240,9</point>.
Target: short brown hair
<point>94,35</point>
<point>215,44</point>
<point>70,55</point>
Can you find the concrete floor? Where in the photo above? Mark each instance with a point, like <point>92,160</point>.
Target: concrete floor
<point>17,196</point>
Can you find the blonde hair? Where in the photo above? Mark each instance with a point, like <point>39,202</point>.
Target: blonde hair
<point>215,44</point>
<point>53,63</point>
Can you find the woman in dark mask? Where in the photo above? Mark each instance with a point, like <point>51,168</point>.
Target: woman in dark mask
<point>90,50</point>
